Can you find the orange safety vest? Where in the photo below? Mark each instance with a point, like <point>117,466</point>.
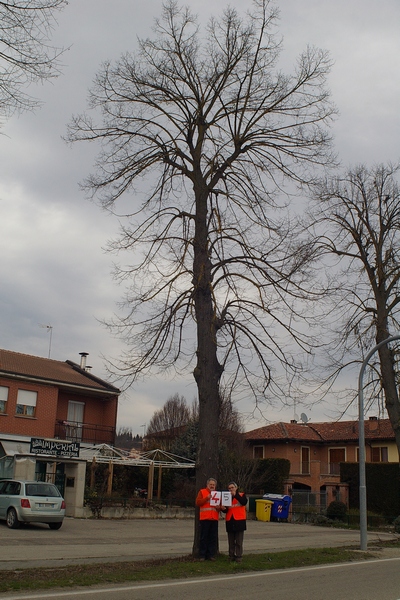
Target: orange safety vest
<point>237,511</point>
<point>207,512</point>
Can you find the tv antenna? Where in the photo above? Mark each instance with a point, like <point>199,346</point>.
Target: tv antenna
<point>49,330</point>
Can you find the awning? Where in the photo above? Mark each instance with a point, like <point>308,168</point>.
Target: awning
<point>12,448</point>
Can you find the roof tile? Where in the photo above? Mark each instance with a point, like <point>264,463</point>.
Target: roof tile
<point>15,363</point>
<point>322,432</point>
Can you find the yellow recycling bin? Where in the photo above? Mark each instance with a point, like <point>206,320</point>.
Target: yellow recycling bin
<point>263,510</point>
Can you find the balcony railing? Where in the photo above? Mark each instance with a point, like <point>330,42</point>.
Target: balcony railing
<point>330,468</point>
<point>305,467</point>
<point>89,433</point>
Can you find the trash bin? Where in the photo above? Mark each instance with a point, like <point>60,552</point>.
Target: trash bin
<point>280,506</point>
<point>263,510</point>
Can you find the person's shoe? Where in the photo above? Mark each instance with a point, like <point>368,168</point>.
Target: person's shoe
<point>202,559</point>
<point>212,558</point>
<point>239,560</point>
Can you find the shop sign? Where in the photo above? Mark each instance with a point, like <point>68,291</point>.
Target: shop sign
<point>54,447</point>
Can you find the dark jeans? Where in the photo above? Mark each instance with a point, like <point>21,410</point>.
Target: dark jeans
<point>208,538</point>
<point>235,543</point>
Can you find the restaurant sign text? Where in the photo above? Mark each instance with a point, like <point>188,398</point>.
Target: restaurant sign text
<point>54,447</point>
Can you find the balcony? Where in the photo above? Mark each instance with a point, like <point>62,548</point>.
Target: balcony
<point>88,433</point>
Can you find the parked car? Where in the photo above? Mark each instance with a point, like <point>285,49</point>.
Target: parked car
<point>31,502</point>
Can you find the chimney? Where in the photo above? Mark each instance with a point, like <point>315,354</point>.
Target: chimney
<point>293,421</point>
<point>83,356</point>
<point>373,424</point>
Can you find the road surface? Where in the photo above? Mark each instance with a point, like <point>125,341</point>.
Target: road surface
<point>366,580</point>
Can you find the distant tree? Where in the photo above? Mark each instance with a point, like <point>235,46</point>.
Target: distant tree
<point>170,422</point>
<point>204,132</point>
<point>186,445</point>
<point>125,439</point>
<point>359,214</point>
<point>172,415</point>
<point>25,54</point>
<point>236,463</point>
<point>167,423</point>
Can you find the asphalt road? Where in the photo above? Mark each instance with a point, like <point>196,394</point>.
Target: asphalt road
<point>94,541</point>
<point>371,580</point>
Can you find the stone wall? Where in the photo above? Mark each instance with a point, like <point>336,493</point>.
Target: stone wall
<point>155,511</point>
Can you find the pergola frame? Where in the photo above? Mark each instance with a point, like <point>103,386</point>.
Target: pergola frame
<point>103,453</point>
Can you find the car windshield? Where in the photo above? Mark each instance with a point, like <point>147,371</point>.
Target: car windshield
<point>41,489</point>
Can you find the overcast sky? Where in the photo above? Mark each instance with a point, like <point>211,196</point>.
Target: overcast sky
<point>53,268</point>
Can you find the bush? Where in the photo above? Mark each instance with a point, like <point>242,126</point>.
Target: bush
<point>318,519</point>
<point>337,511</point>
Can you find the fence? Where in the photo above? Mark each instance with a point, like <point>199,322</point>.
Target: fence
<point>307,503</point>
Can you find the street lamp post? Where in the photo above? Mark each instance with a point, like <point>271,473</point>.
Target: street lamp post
<point>361,440</point>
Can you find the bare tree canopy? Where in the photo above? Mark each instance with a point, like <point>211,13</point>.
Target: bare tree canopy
<point>360,216</point>
<point>170,421</point>
<point>173,415</point>
<point>198,133</point>
<point>25,53</point>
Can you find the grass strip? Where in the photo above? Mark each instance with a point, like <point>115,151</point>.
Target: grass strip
<point>174,568</point>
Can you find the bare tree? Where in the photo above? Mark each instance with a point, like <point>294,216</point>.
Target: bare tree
<point>360,216</point>
<point>25,53</point>
<point>167,423</point>
<point>199,134</point>
<point>172,415</point>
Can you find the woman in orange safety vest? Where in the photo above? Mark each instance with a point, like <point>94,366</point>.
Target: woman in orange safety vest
<point>235,522</point>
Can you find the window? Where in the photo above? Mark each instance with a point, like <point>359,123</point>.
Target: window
<point>3,398</point>
<point>11,488</point>
<point>26,403</point>
<point>73,430</point>
<point>336,456</point>
<point>258,452</point>
<point>42,489</point>
<point>305,460</point>
<point>379,454</point>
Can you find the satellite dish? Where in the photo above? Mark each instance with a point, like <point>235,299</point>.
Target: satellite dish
<point>304,417</point>
<point>296,417</point>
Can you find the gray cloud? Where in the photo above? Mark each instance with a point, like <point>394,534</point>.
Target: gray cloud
<point>53,269</point>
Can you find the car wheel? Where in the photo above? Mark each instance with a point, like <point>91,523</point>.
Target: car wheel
<point>54,525</point>
<point>12,519</point>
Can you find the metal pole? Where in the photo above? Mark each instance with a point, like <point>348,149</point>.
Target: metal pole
<point>361,440</point>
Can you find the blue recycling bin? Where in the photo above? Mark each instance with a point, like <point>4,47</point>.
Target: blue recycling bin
<point>281,506</point>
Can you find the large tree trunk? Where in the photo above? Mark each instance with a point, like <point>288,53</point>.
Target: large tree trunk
<point>388,371</point>
<point>207,372</point>
<point>390,388</point>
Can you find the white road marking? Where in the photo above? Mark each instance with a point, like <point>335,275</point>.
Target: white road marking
<point>202,581</point>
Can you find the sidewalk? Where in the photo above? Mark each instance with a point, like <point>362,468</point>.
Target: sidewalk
<point>93,541</point>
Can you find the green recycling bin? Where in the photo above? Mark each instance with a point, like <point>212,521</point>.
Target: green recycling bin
<point>263,510</point>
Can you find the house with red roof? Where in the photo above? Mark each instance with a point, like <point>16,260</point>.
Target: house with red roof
<point>315,451</point>
<point>49,411</point>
